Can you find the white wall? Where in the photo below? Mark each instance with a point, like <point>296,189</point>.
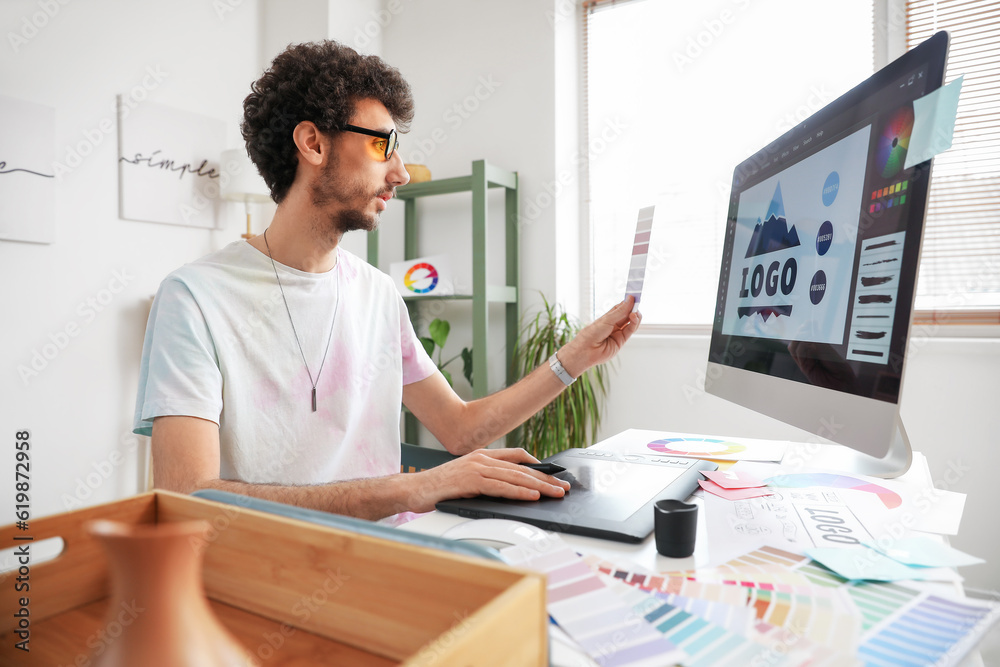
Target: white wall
<point>79,406</point>
<point>949,410</point>
<point>487,83</point>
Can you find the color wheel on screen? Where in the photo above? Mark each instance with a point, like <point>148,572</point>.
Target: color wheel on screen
<point>803,480</point>
<point>696,446</point>
<point>421,284</point>
<point>890,154</point>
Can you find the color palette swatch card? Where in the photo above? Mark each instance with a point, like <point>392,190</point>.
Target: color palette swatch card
<point>590,612</point>
<point>779,638</point>
<point>708,644</point>
<point>734,478</point>
<point>672,584</point>
<point>735,618</point>
<point>930,630</point>
<point>733,494</point>
<point>900,625</point>
<point>640,250</point>
<point>824,615</point>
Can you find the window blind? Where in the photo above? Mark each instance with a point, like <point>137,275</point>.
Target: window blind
<point>960,262</point>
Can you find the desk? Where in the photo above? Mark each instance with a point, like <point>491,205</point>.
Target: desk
<point>645,555</point>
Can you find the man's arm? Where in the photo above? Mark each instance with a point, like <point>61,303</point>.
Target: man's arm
<point>464,427</point>
<point>186,458</point>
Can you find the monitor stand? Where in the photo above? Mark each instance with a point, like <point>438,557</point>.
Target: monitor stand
<point>895,462</point>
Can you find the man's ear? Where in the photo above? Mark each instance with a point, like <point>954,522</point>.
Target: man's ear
<point>313,146</point>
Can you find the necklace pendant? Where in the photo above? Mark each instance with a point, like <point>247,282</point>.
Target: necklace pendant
<point>314,399</point>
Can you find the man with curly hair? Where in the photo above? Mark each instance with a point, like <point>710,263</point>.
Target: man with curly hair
<point>275,367</point>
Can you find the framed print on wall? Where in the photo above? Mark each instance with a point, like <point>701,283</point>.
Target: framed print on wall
<point>27,177</point>
<point>168,165</point>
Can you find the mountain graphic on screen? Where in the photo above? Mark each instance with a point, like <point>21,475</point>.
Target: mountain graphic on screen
<point>764,311</point>
<point>773,234</point>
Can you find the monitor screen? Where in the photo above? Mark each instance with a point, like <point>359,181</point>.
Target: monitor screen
<point>820,261</point>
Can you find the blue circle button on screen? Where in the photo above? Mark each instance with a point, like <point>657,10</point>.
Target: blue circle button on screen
<point>830,188</point>
<point>818,288</point>
<point>824,237</point>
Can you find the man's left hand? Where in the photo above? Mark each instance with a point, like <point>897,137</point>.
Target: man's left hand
<point>601,339</point>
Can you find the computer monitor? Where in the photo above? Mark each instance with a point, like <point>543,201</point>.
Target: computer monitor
<point>819,268</point>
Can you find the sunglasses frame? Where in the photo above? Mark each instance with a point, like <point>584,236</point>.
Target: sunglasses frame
<point>392,139</point>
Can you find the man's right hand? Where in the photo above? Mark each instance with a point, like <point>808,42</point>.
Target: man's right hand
<point>490,472</point>
<point>186,458</point>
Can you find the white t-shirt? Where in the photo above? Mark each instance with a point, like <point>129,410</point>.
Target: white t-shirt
<point>219,346</point>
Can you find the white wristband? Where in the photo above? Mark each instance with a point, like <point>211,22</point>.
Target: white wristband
<point>560,372</point>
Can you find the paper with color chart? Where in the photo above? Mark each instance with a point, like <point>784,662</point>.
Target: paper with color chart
<point>909,505</point>
<point>640,249</point>
<point>696,446</point>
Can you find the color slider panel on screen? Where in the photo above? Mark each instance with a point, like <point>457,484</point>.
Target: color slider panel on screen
<point>694,445</point>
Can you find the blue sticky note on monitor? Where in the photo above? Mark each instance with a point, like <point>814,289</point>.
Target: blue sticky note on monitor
<point>933,123</point>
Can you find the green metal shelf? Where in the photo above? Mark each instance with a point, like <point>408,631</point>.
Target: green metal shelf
<point>484,177</point>
<point>494,294</point>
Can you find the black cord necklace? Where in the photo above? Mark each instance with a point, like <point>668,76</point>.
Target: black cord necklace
<point>336,307</point>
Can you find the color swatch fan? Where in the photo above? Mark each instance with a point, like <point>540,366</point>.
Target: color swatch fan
<point>895,139</point>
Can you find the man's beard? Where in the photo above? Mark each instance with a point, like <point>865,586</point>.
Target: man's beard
<point>334,188</point>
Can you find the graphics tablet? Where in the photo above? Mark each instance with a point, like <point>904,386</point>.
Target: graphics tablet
<point>611,495</point>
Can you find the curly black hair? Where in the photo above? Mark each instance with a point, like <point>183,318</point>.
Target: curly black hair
<point>319,82</point>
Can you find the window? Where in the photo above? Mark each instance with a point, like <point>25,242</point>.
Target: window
<point>679,93</point>
<point>960,259</point>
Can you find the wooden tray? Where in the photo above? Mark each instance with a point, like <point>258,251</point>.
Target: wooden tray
<point>292,592</point>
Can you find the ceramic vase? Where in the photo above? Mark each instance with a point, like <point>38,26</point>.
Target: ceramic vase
<point>158,613</point>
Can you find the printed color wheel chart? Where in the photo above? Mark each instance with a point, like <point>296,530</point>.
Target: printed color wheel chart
<point>411,282</point>
<point>891,151</point>
<point>803,480</point>
<point>695,446</point>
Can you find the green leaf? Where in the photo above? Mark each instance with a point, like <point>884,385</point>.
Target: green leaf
<point>428,345</point>
<point>447,376</point>
<point>439,330</point>
<point>574,417</point>
<point>467,363</point>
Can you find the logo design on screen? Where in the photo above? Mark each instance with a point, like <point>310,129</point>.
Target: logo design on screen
<point>772,235</point>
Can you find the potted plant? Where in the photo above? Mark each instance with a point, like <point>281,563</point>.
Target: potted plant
<point>439,330</point>
<point>572,419</point>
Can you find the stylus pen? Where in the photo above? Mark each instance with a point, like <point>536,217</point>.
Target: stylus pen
<point>547,468</point>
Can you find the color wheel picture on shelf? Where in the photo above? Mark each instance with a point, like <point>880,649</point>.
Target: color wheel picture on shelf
<point>423,276</point>
<point>890,154</point>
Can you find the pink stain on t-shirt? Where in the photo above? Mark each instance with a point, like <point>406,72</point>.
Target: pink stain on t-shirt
<point>266,395</point>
